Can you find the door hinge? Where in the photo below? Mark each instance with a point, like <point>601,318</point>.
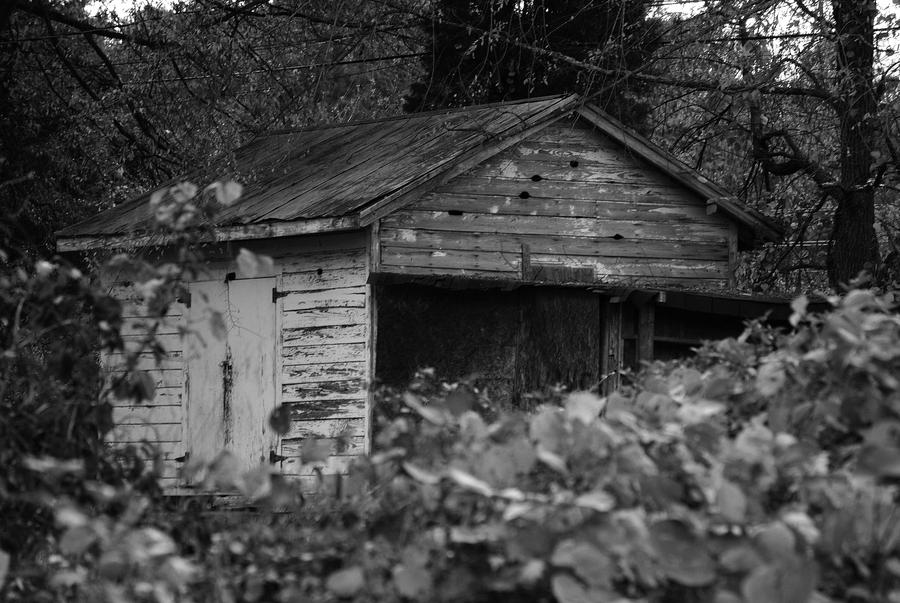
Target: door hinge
<point>276,294</point>
<point>183,458</point>
<point>276,458</point>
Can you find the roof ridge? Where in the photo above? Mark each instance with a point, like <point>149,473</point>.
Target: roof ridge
<point>372,120</point>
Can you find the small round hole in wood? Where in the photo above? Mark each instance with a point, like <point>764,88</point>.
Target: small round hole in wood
<point>537,178</point>
<point>618,237</point>
<point>319,271</point>
<point>524,195</point>
<point>573,163</point>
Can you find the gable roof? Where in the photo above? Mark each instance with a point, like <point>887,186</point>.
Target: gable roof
<point>346,176</point>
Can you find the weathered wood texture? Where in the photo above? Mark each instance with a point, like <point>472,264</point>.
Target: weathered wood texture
<point>325,370</point>
<point>298,335</point>
<point>573,198</point>
<point>150,426</point>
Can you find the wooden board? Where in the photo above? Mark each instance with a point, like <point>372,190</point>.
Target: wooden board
<point>205,354</point>
<point>252,336</point>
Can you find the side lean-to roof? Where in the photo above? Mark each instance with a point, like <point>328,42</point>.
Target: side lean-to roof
<point>346,176</point>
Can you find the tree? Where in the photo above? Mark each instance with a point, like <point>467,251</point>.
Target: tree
<point>802,96</point>
<point>484,51</point>
<point>94,108</point>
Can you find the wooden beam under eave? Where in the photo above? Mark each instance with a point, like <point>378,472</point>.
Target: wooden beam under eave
<point>244,232</point>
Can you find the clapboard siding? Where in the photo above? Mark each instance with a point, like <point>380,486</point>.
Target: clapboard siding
<point>158,422</point>
<point>564,197</point>
<point>324,354</point>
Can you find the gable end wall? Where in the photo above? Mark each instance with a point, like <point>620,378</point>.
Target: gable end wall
<point>565,197</point>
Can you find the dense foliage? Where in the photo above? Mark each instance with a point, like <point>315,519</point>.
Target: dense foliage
<point>764,469</point>
<point>481,51</point>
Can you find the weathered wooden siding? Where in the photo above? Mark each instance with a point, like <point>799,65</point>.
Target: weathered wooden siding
<point>325,351</point>
<point>156,424</point>
<point>563,197</point>
<point>320,344</point>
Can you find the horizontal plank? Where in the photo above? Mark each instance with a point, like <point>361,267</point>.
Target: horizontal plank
<point>559,226</point>
<point>170,343</point>
<point>169,432</point>
<point>494,261</point>
<point>322,354</point>
<point>350,389</point>
<point>166,450</point>
<point>328,409</point>
<point>315,373</point>
<point>331,466</point>
<point>161,378</point>
<point>554,245</point>
<point>350,445</point>
<point>142,326</point>
<point>347,297</point>
<point>431,273</point>
<point>550,151</point>
<point>338,278</point>
<point>164,396</point>
<point>511,262</point>
<point>324,317</point>
<point>324,335</point>
<point>657,210</point>
<point>144,362</point>
<point>281,249</point>
<point>609,171</point>
<point>324,260</point>
<point>354,427</point>
<point>550,189</point>
<point>141,414</point>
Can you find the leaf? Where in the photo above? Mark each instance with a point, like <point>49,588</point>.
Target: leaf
<point>879,461</point>
<point>459,401</point>
<point>412,582</point>
<point>548,429</point>
<point>598,500</point>
<point>346,583</point>
<point>587,561</point>
<point>798,310</point>
<point>315,450</point>
<point>251,265</point>
<point>421,475</point>
<point>430,414</point>
<point>4,567</point>
<point>776,541</point>
<point>770,378</point>
<point>551,459</point>
<point>280,419</point>
<point>731,502</point>
<point>567,589</point>
<point>217,325</point>
<point>469,482</point>
<point>76,540</point>
<point>681,555</point>
<point>584,407</point>
<point>226,193</point>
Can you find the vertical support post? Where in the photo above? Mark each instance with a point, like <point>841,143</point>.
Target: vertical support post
<point>732,254</point>
<point>611,350</point>
<point>646,328</point>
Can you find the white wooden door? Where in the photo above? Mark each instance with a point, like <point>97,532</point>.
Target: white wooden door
<point>231,364</point>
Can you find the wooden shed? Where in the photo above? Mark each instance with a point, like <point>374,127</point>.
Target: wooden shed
<point>534,241</point>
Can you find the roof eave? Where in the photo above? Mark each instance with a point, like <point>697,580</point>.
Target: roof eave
<point>241,232</point>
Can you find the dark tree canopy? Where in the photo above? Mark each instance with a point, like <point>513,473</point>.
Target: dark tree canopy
<point>485,51</point>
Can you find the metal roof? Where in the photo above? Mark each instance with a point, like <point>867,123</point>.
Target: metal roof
<point>344,176</point>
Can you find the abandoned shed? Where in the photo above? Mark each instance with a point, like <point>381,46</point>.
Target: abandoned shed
<point>533,242</point>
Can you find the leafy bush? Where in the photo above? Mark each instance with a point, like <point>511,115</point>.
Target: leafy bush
<point>764,469</point>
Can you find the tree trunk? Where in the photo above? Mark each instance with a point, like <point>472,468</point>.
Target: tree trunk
<point>854,246</point>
